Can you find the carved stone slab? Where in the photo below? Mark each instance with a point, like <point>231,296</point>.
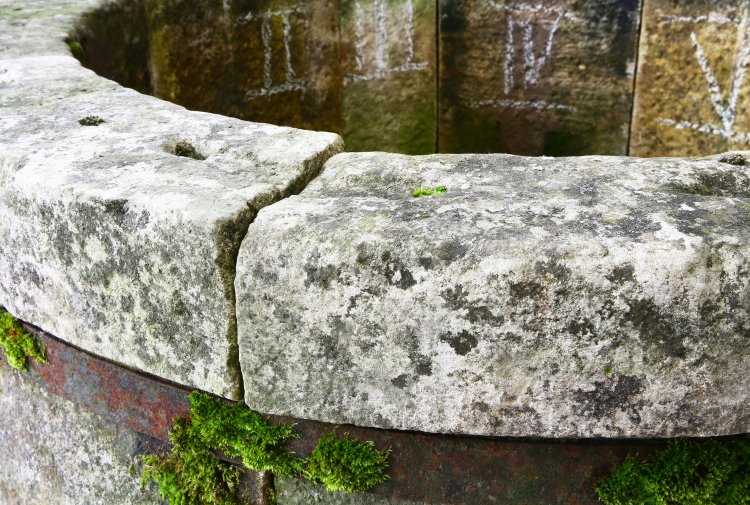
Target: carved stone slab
<point>536,77</point>
<point>693,89</point>
<point>572,297</point>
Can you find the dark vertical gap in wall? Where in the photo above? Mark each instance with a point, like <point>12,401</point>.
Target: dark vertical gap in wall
<point>635,74</point>
<point>437,75</point>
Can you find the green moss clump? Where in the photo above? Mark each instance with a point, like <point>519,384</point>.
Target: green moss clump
<point>191,473</point>
<point>685,473</point>
<point>76,49</point>
<point>241,432</point>
<point>344,464</point>
<point>17,344</point>
<point>428,191</point>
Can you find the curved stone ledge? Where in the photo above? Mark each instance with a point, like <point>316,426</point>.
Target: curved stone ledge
<point>121,238</point>
<point>572,297</point>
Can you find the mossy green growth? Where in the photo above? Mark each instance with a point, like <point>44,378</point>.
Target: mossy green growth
<point>192,473</point>
<point>344,464</point>
<point>685,473</point>
<point>428,191</point>
<point>17,344</point>
<point>76,49</point>
<point>241,432</point>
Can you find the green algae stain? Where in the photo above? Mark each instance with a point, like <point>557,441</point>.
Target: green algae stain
<point>17,344</point>
<point>429,191</point>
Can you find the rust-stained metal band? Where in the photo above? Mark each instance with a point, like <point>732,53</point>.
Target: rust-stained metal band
<point>429,468</point>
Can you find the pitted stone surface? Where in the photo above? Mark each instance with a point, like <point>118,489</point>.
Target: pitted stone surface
<point>113,237</point>
<point>570,297</point>
<point>54,452</point>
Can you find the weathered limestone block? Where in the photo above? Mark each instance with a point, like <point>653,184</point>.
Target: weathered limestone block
<point>571,297</point>
<point>388,64</point>
<point>693,91</point>
<point>121,238</point>
<point>290,491</point>
<point>536,77</point>
<point>55,453</point>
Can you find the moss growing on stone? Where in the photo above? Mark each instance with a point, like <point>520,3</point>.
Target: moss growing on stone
<point>428,191</point>
<point>76,49</point>
<point>17,344</point>
<point>686,473</point>
<point>193,473</point>
<point>344,464</point>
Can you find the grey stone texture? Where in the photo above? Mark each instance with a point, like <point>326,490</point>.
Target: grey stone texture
<point>569,297</point>
<point>290,491</point>
<point>55,453</point>
<point>121,238</point>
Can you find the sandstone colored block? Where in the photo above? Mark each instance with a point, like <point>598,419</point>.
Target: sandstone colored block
<point>533,77</point>
<point>571,297</point>
<point>54,452</point>
<point>290,491</point>
<point>693,92</point>
<point>389,71</point>
<point>121,238</point>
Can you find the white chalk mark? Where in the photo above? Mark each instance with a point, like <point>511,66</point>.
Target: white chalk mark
<point>287,49</point>
<point>522,104</point>
<point>726,109</point>
<point>534,9</point>
<point>381,35</point>
<point>533,60</point>
<point>361,43</point>
<point>713,18</point>
<point>291,81</point>
<point>376,64</point>
<point>705,128</point>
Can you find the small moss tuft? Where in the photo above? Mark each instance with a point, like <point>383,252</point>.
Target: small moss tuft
<point>76,49</point>
<point>17,344</point>
<point>428,191</point>
<point>344,464</point>
<point>91,121</point>
<point>686,473</point>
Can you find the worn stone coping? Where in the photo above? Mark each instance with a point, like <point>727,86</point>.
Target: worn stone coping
<point>568,297</point>
<point>120,236</point>
<point>423,468</point>
<point>581,297</point>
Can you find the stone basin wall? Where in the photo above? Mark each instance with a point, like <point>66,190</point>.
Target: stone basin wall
<point>511,326</point>
<point>561,77</point>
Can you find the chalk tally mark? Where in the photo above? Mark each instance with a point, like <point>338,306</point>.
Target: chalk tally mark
<point>292,81</point>
<point>524,21</point>
<point>724,105</point>
<point>372,56</point>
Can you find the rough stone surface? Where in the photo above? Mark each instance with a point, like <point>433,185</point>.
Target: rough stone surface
<point>580,297</point>
<point>55,453</point>
<point>536,77</point>
<point>121,238</point>
<point>290,491</point>
<point>693,87</point>
<point>388,65</point>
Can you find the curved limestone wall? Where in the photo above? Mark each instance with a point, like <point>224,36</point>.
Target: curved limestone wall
<point>562,77</point>
<point>482,295</point>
